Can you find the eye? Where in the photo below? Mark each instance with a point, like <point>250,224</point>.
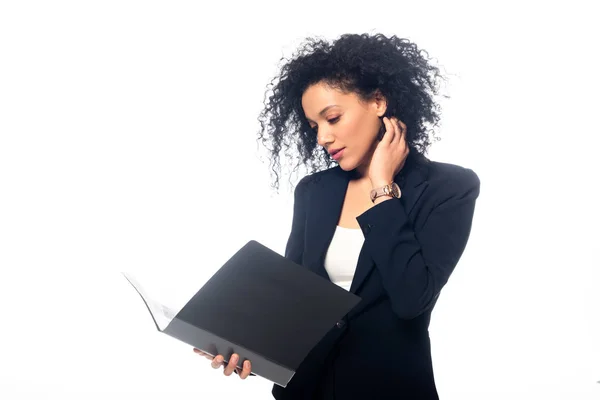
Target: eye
<point>331,121</point>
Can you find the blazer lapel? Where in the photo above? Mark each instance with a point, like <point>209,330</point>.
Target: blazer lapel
<point>412,184</point>
<point>325,207</point>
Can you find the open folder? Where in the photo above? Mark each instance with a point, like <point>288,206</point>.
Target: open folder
<point>260,305</point>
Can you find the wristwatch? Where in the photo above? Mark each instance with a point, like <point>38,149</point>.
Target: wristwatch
<point>392,190</point>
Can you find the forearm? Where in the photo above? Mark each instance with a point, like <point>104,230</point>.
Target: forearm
<point>414,266</point>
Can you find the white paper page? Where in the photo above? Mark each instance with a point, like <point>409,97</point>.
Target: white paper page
<point>162,314</point>
<point>167,293</point>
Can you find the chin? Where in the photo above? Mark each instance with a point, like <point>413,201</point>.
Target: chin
<point>347,166</point>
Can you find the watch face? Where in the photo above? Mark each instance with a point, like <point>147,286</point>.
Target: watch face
<point>395,190</point>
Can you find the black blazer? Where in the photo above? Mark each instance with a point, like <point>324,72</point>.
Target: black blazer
<point>381,349</point>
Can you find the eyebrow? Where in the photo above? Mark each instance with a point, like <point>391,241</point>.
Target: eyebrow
<point>323,111</point>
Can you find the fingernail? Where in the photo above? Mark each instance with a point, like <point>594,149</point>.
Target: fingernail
<point>246,364</point>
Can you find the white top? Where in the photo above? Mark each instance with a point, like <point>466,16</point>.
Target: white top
<point>342,255</point>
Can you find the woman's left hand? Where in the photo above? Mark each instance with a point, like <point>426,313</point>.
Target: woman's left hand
<point>390,154</point>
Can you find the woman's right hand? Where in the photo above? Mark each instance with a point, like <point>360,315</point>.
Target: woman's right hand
<point>231,367</point>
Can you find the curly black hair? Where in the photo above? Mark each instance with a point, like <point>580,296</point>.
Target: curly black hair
<point>361,64</point>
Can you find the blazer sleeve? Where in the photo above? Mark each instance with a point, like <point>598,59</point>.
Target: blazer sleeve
<point>295,244</point>
<point>415,265</point>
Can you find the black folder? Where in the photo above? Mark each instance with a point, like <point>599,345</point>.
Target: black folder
<point>260,305</point>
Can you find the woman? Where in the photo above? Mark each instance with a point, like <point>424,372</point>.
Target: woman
<point>385,223</point>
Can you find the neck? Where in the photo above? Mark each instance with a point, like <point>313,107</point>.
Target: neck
<point>361,173</point>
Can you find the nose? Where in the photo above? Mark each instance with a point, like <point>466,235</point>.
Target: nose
<point>323,139</point>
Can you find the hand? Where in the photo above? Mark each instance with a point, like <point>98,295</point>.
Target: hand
<point>219,360</point>
<point>390,154</point>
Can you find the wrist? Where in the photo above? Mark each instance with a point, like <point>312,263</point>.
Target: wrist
<point>389,189</point>
<point>381,199</point>
<point>377,183</point>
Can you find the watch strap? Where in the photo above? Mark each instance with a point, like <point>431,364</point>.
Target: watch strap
<point>390,189</point>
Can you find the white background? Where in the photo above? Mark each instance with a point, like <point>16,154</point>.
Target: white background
<point>127,142</point>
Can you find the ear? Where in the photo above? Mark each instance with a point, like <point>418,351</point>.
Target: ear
<point>379,103</point>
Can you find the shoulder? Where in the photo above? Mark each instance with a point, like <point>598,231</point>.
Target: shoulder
<point>444,173</point>
<point>450,180</point>
<point>308,181</point>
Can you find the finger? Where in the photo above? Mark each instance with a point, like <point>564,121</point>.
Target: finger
<point>217,362</point>
<point>401,140</point>
<point>247,368</point>
<point>389,131</point>
<point>231,365</point>
<point>201,353</point>
<point>397,130</point>
<point>403,135</point>
<point>402,127</point>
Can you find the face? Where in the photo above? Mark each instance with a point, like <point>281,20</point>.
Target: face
<point>342,121</point>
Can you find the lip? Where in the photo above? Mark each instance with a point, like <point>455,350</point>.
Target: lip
<point>338,154</point>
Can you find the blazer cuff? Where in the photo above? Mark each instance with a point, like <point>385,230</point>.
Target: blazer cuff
<point>386,216</point>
